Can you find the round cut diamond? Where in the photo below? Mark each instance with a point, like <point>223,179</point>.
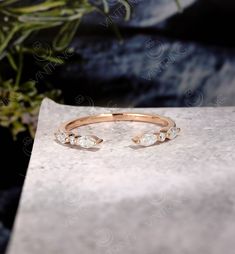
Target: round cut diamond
<point>161,136</point>
<point>72,140</point>
<point>172,133</point>
<point>86,141</point>
<point>148,139</point>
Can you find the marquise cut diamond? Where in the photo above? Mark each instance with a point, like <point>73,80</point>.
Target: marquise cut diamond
<point>86,141</point>
<point>61,137</point>
<point>148,139</point>
<point>172,132</point>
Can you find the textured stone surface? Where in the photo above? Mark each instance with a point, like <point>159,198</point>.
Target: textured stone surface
<point>173,198</point>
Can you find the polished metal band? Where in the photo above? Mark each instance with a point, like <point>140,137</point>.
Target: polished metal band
<point>168,129</point>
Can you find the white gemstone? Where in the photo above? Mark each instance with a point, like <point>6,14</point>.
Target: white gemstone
<point>86,141</point>
<point>61,137</point>
<point>72,140</point>
<point>148,139</point>
<point>172,133</point>
<point>161,136</point>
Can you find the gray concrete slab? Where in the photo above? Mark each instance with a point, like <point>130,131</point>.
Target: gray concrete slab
<point>173,198</point>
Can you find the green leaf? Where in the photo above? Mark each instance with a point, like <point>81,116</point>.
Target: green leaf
<point>106,6</point>
<point>17,128</point>
<point>11,61</point>
<point>10,35</point>
<point>9,2</point>
<point>127,7</point>
<point>39,7</point>
<point>178,5</point>
<point>65,35</point>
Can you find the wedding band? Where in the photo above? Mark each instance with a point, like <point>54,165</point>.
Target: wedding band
<point>65,133</point>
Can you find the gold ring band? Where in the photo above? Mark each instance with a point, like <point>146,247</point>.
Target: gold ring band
<point>65,134</point>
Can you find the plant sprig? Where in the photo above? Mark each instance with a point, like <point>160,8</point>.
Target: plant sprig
<point>19,101</point>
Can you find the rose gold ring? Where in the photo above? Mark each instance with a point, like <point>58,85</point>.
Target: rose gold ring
<point>65,133</point>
